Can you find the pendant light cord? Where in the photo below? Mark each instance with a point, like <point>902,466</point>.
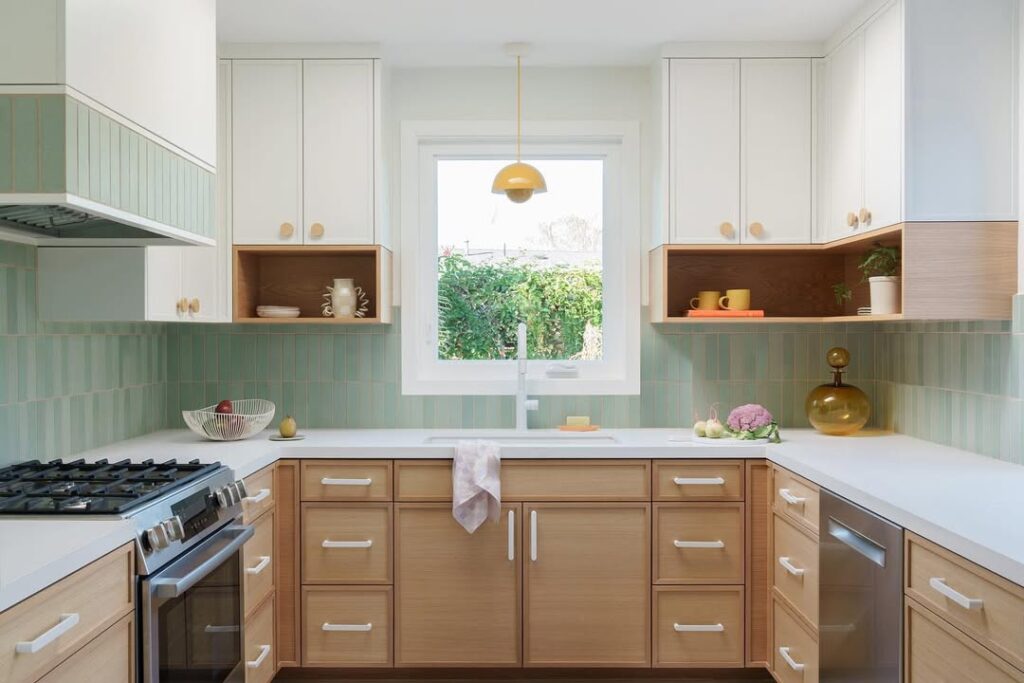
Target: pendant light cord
<point>519,108</point>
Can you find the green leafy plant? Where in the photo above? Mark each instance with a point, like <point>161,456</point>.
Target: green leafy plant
<point>880,262</point>
<point>842,292</point>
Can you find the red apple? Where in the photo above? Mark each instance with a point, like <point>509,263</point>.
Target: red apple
<point>224,407</point>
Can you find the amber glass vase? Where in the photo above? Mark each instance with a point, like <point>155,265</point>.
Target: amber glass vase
<point>837,408</point>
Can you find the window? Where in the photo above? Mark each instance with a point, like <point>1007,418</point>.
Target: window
<point>475,265</point>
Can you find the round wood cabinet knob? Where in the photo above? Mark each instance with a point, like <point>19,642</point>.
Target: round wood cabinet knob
<point>726,229</point>
<point>756,229</point>
<point>851,219</point>
<point>287,230</point>
<point>316,230</point>
<point>193,306</point>
<point>181,306</point>
<point>865,217</point>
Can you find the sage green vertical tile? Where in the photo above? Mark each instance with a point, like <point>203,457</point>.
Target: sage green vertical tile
<point>105,154</point>
<point>114,147</point>
<point>96,180</point>
<point>301,356</point>
<point>70,167</point>
<point>138,176</point>
<point>82,175</point>
<point>52,143</point>
<point>125,169</point>
<point>6,143</point>
<point>26,144</point>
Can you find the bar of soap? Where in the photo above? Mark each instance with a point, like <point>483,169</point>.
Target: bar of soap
<point>577,421</point>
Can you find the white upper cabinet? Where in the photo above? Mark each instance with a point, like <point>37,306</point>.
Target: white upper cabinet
<point>338,151</point>
<point>775,143</point>
<point>266,149</point>
<point>846,128</point>
<point>883,112</point>
<point>704,154</point>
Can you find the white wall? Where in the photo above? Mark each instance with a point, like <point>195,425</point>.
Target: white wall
<point>487,94</point>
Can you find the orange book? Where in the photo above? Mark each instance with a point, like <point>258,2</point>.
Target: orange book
<point>695,313</point>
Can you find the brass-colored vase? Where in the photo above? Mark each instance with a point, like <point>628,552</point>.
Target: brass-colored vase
<point>837,408</point>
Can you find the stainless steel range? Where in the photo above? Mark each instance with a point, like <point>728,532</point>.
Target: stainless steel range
<point>189,535</point>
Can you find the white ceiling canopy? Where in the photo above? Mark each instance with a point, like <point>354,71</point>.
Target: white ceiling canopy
<point>563,32</point>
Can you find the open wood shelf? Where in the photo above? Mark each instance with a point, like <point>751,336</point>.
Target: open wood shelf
<point>299,276</point>
<point>789,319</point>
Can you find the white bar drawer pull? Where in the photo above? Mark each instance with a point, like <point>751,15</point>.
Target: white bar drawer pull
<point>331,481</point>
<point>347,544</point>
<point>511,535</point>
<point>698,481</point>
<point>788,496</point>
<point>533,535</point>
<point>30,647</point>
<point>260,566</point>
<point>255,664</point>
<point>260,496</point>
<point>790,567</point>
<point>698,628</point>
<point>959,598</point>
<point>347,628</point>
<point>699,544</point>
<point>233,628</point>
<point>793,664</point>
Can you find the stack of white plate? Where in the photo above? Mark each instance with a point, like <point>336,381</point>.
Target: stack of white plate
<point>277,311</point>
<point>864,310</point>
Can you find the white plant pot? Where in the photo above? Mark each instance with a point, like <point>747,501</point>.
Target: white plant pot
<point>885,294</point>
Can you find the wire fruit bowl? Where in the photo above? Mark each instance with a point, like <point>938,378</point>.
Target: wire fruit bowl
<point>250,416</point>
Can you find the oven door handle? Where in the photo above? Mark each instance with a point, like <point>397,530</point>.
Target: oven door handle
<point>175,587</point>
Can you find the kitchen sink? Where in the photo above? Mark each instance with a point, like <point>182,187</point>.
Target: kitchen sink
<point>557,439</point>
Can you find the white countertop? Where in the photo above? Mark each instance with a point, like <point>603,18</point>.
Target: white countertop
<point>966,502</point>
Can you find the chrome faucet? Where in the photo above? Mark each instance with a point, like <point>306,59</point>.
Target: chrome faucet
<point>523,403</point>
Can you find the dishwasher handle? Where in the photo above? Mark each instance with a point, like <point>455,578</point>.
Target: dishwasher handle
<point>856,541</point>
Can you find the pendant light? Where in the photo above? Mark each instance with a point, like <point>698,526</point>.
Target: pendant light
<point>519,181</point>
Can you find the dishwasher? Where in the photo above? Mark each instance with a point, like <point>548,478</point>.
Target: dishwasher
<point>860,595</point>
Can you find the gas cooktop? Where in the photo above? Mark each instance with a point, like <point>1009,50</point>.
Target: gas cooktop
<point>95,488</point>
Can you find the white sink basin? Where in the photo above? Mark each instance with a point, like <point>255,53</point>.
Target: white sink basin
<point>556,439</point>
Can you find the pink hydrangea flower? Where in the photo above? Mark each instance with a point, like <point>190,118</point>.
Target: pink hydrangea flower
<point>748,418</point>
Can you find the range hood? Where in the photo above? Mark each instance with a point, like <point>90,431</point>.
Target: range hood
<point>71,175</point>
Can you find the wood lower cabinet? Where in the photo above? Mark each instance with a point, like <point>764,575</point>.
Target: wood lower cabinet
<point>457,595</point>
<point>346,626</point>
<point>260,652</point>
<point>109,658</point>
<point>794,647</point>
<point>587,584</point>
<point>698,626</point>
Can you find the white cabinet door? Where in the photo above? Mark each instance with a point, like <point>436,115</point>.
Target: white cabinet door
<point>776,146</point>
<point>883,120</point>
<point>163,282</point>
<point>266,143</point>
<point>338,163</point>
<point>704,165</point>
<point>846,120</point>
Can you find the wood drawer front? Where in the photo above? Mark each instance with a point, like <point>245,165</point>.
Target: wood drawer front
<point>260,647</point>
<point>792,639</point>
<point>698,543</point>
<point>936,651</point>
<point>998,623</point>
<point>698,626</point>
<point>800,552</point>
<point>576,480</point>
<point>108,658</point>
<point>258,560</point>
<point>346,480</point>
<point>696,480</point>
<point>99,594</point>
<point>425,481</point>
<point>366,531</point>
<point>796,498</point>
<point>357,623</point>
<point>259,488</point>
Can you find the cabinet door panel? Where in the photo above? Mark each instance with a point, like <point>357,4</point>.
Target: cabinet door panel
<point>846,121</point>
<point>163,282</point>
<point>457,595</point>
<point>704,168</point>
<point>776,143</point>
<point>883,117</point>
<point>337,114</point>
<point>266,144</point>
<point>587,586</point>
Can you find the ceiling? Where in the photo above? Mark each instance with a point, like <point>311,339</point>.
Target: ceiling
<point>562,32</point>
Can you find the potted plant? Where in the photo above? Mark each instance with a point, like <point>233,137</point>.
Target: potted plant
<point>842,292</point>
<point>880,267</point>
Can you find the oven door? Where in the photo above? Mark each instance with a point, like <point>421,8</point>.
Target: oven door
<point>191,614</point>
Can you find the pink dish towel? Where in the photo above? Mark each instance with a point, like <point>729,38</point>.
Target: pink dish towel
<point>476,483</point>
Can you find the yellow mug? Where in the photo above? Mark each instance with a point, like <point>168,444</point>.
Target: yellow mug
<point>706,300</point>
<point>739,300</point>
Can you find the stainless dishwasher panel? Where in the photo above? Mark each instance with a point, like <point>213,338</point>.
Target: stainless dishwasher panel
<point>860,595</point>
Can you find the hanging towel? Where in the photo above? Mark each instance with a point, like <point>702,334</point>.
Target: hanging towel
<point>476,483</point>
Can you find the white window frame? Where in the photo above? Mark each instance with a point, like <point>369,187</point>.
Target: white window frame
<point>617,144</point>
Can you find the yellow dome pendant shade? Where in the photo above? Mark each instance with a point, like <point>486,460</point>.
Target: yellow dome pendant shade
<point>519,181</point>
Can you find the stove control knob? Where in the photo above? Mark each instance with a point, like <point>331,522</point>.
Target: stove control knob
<point>222,497</point>
<point>157,537</point>
<point>173,528</point>
<point>240,488</point>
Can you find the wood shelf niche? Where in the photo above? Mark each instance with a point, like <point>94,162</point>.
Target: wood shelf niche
<point>950,271</point>
<point>299,276</point>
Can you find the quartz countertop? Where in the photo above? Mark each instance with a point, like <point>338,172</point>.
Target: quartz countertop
<point>966,502</point>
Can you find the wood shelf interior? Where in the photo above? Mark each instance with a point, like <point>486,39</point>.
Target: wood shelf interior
<point>299,276</point>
